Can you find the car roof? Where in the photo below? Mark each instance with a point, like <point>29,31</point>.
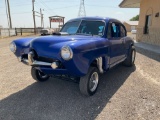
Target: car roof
<point>96,18</point>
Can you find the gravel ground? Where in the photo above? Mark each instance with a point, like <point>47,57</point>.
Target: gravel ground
<point>123,94</point>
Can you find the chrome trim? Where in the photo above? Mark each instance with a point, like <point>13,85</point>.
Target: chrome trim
<point>30,58</point>
<point>19,59</point>
<point>26,60</point>
<point>99,64</point>
<point>40,63</point>
<point>54,65</point>
<point>94,81</point>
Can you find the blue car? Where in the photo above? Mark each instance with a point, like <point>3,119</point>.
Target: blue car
<point>83,49</point>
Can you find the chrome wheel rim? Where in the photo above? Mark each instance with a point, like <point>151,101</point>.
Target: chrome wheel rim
<point>93,82</point>
<point>133,56</point>
<point>42,75</point>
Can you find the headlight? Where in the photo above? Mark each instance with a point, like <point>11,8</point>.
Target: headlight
<point>66,53</point>
<point>12,47</point>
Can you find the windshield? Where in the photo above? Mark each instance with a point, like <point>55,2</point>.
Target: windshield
<point>84,27</point>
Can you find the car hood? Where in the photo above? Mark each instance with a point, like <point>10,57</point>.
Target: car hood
<point>50,46</point>
<point>58,41</point>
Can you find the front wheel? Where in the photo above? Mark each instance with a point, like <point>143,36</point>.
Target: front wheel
<point>38,75</point>
<point>89,83</point>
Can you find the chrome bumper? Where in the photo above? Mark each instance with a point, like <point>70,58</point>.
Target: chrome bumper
<point>30,61</point>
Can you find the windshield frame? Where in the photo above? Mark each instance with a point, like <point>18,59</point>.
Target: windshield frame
<point>90,21</point>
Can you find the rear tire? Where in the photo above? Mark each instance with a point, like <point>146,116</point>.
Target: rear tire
<point>38,75</point>
<point>129,62</point>
<point>89,83</point>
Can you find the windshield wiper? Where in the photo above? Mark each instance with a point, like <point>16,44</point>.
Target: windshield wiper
<point>87,34</point>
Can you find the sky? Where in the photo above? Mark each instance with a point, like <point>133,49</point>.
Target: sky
<point>21,11</point>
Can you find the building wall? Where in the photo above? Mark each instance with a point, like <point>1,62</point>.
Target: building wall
<point>149,7</point>
<point>128,27</point>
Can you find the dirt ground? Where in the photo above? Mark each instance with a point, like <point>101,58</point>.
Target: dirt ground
<point>123,94</point>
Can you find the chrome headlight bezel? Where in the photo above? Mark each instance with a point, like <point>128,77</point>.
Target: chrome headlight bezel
<point>66,53</point>
<point>12,47</point>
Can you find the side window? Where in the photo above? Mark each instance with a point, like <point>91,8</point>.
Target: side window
<point>123,32</point>
<point>113,30</point>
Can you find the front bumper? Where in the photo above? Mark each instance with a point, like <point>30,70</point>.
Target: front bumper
<point>52,67</point>
<point>30,61</point>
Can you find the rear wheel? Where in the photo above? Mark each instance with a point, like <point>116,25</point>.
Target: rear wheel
<point>38,75</point>
<point>131,57</point>
<point>89,83</point>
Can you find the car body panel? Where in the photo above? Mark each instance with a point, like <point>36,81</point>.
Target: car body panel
<point>86,49</point>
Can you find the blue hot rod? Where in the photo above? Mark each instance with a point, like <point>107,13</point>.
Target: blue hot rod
<point>84,48</point>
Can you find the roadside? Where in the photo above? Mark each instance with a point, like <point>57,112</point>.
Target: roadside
<point>124,93</point>
<point>149,50</point>
<point>24,35</point>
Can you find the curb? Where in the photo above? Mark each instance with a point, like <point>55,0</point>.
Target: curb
<point>151,51</point>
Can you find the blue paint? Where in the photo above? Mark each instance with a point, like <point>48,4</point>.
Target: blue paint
<point>86,48</point>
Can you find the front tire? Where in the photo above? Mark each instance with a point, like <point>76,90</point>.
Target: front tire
<point>38,75</point>
<point>129,62</point>
<point>89,83</point>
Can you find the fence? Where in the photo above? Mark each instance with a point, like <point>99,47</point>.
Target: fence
<point>27,31</point>
<point>4,32</point>
<point>7,32</point>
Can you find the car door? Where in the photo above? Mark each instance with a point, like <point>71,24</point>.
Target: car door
<point>116,40</point>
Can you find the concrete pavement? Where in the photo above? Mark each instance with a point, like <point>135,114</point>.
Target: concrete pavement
<point>152,51</point>
<point>123,94</point>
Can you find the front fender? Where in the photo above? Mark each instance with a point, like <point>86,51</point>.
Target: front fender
<point>22,46</point>
<point>82,60</point>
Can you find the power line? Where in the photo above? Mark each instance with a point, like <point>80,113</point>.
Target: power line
<point>63,7</point>
<point>18,5</point>
<point>102,6</point>
<point>17,13</point>
<point>49,12</point>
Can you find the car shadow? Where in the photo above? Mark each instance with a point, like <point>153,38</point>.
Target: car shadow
<point>61,100</point>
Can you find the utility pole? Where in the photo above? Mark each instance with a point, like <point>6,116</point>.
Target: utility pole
<point>82,12</point>
<point>34,16</point>
<point>10,22</point>
<point>42,22</point>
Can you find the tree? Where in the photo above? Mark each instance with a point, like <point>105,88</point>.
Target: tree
<point>136,18</point>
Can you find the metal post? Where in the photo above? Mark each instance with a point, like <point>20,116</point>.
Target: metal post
<point>21,31</point>
<point>10,22</point>
<point>41,16</point>
<point>42,22</point>
<point>50,22</point>
<point>34,16</point>
<point>16,31</point>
